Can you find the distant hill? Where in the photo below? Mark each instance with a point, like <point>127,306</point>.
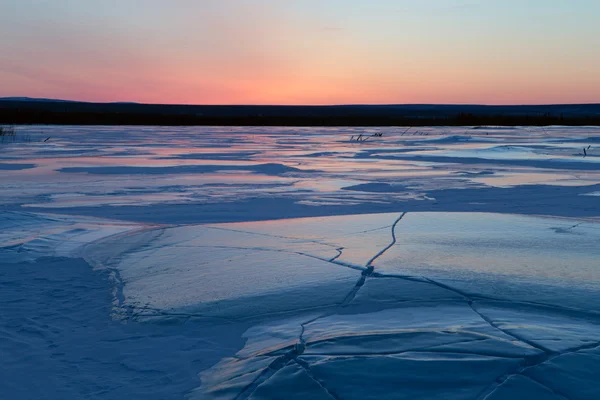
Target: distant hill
<point>43,100</point>
<point>32,99</point>
<point>23,110</point>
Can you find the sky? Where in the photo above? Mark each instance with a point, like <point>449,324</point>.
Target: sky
<point>302,51</point>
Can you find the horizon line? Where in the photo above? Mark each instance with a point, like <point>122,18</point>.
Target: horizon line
<point>43,99</point>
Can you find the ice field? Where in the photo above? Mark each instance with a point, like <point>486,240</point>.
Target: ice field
<point>284,263</point>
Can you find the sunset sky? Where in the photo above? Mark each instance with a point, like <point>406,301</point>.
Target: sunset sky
<point>302,51</point>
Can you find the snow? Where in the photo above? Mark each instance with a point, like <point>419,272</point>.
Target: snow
<point>265,263</point>
<point>58,340</point>
<point>28,236</point>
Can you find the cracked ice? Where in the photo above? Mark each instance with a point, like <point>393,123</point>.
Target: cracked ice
<point>129,276</point>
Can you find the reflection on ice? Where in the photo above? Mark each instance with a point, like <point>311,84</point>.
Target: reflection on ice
<point>313,164</point>
<point>496,244</point>
<point>433,303</point>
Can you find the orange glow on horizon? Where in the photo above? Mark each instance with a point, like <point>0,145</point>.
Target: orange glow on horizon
<point>272,52</point>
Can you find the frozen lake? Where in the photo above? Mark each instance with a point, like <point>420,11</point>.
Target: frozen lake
<point>267,263</point>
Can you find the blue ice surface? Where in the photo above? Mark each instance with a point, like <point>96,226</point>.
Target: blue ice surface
<point>398,319</point>
<point>15,166</point>
<point>267,169</point>
<point>467,297</point>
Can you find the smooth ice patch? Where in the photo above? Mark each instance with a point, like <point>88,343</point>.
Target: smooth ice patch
<point>214,271</point>
<point>483,250</point>
<point>355,238</point>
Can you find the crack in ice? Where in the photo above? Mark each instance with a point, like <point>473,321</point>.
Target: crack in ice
<point>339,250</point>
<point>491,323</point>
<point>298,349</point>
<point>306,367</point>
<point>389,246</point>
<point>269,235</point>
<point>300,346</point>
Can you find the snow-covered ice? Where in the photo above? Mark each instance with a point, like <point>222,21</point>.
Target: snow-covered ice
<point>271,263</point>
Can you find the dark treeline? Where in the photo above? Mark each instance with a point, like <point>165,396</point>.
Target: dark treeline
<point>66,113</point>
<point>107,118</point>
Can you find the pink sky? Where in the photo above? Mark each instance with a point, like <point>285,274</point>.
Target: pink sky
<point>300,52</point>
